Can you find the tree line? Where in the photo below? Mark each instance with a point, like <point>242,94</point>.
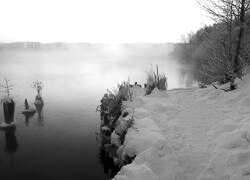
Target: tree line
<point>220,52</point>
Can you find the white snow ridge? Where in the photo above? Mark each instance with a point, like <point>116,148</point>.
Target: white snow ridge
<point>189,134</point>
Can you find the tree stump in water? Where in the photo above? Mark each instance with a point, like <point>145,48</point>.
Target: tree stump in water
<point>9,110</point>
<point>39,100</point>
<point>26,104</point>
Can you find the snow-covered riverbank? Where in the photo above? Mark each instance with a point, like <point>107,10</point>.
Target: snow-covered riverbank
<point>189,134</point>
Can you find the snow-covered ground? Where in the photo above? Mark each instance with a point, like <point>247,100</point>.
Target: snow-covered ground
<point>189,134</point>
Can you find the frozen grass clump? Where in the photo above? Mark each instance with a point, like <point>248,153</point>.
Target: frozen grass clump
<point>154,79</point>
<point>124,91</point>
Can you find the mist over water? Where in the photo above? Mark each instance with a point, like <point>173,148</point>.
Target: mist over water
<point>61,140</point>
<point>107,64</point>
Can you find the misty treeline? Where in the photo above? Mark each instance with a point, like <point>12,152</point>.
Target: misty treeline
<point>220,52</point>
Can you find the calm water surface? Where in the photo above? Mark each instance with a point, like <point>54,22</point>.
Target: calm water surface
<point>60,142</point>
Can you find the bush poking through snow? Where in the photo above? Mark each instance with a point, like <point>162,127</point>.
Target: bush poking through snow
<point>154,79</point>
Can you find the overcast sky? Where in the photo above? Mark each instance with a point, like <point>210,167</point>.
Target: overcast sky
<point>99,21</point>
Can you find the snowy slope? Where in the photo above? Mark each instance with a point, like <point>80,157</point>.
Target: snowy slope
<point>189,134</point>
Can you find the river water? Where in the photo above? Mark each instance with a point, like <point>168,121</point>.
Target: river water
<point>59,142</point>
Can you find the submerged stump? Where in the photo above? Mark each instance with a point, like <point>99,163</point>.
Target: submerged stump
<point>9,110</point>
<point>39,101</point>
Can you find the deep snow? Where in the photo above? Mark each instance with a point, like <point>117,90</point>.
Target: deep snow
<point>189,134</point>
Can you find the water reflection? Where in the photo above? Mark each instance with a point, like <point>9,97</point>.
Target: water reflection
<point>27,117</point>
<point>11,144</point>
<point>105,157</point>
<point>39,109</point>
<point>109,167</point>
<point>10,140</point>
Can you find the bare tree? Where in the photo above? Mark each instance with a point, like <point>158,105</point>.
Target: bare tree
<point>38,86</point>
<point>243,8</point>
<point>7,87</point>
<point>231,13</point>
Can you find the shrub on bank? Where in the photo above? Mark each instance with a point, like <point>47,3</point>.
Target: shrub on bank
<point>112,101</point>
<point>154,79</point>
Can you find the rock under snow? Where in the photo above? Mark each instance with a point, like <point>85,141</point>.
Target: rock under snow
<point>115,139</point>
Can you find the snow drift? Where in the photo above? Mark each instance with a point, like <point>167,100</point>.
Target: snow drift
<point>189,134</point>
